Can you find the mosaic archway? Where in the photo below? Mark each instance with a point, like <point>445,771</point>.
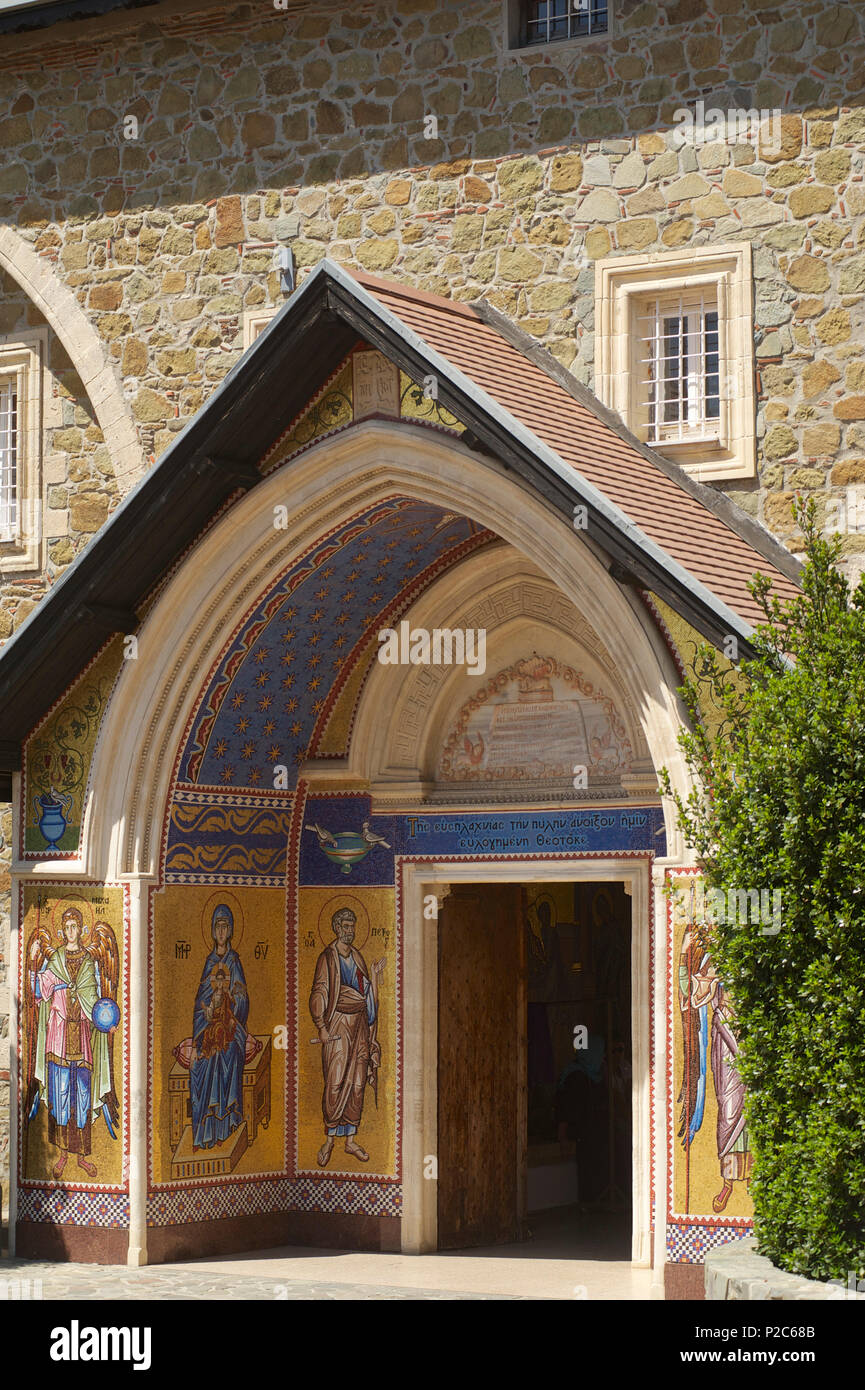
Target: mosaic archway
<point>266,823</point>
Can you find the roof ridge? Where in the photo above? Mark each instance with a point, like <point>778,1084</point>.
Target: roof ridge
<point>401,291</point>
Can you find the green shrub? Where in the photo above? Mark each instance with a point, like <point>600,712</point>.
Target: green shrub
<point>782,807</point>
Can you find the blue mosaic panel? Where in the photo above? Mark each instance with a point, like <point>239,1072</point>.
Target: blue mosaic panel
<point>333,847</point>
<point>343,843</point>
<point>607,831</point>
<point>271,688</point>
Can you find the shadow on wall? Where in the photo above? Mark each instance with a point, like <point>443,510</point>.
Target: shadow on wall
<point>322,93</point>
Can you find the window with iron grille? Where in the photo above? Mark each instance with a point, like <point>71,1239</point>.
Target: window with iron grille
<point>680,369</point>
<point>674,354</point>
<point>549,20</point>
<point>8,461</point>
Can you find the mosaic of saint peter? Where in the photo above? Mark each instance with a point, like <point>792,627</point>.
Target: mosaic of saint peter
<point>344,1008</point>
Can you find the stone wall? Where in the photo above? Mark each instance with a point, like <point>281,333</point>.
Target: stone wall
<point>79,487</point>
<point>308,127</point>
<point>155,159</point>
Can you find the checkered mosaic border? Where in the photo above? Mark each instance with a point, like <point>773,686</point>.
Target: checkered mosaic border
<point>279,1194</point>
<point>60,1207</point>
<point>691,1244</point>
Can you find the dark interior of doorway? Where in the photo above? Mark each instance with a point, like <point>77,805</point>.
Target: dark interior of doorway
<point>578,1060</point>
<point>534,1065</point>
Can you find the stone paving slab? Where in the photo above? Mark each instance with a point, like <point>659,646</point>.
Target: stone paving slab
<point>32,1279</point>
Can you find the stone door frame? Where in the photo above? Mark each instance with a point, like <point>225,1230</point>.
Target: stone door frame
<point>417,881</point>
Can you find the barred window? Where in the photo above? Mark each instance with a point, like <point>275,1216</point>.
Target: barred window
<point>674,354</point>
<point>549,20</point>
<point>680,381</point>
<point>8,461</point>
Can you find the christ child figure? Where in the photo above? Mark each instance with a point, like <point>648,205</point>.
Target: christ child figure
<point>221,1023</point>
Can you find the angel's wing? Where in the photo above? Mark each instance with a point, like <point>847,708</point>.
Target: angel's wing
<point>103,949</point>
<point>38,950</point>
<point>106,957</point>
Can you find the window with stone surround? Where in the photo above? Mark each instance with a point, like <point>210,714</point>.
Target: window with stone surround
<point>535,22</point>
<point>254,323</point>
<point>674,354</point>
<point>21,452</point>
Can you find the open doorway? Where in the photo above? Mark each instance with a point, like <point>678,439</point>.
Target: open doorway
<point>578,1014</point>
<point>534,1067</point>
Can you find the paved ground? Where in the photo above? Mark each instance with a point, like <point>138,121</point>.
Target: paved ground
<point>29,1279</point>
<point>541,1268</point>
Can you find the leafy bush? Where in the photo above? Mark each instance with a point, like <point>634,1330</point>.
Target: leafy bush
<point>779,804</point>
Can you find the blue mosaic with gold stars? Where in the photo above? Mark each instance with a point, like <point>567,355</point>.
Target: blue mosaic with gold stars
<point>271,690</point>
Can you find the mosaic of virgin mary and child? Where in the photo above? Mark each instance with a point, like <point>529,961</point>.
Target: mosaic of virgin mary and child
<point>220,1045</point>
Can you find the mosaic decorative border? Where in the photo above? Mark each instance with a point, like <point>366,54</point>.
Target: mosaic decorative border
<point>218,796</point>
<point>689,1244</point>
<point>227,880</point>
<point>73,1207</point>
<point>346,1196</point>
<point>292,928</point>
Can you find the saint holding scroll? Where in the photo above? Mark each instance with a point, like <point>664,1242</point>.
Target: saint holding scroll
<point>344,1008</point>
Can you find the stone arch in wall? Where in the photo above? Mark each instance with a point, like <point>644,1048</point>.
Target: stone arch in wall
<point>85,349</point>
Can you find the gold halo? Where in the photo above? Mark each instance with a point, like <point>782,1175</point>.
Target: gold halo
<point>84,906</point>
<point>222,895</point>
<point>333,905</point>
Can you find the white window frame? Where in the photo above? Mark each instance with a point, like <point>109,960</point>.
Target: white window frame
<point>9,455</point>
<point>719,275</point>
<point>685,417</point>
<point>21,369</point>
<point>515,43</point>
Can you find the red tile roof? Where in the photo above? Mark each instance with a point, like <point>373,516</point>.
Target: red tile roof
<point>668,514</point>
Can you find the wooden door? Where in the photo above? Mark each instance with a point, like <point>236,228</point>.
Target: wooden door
<point>481,1067</point>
